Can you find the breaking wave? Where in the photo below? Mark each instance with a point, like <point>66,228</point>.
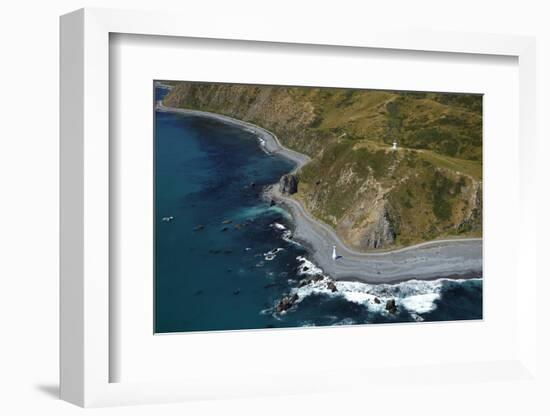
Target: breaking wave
<point>278,226</point>
<point>414,296</point>
<point>286,233</point>
<point>271,254</point>
<point>307,267</point>
<point>259,210</point>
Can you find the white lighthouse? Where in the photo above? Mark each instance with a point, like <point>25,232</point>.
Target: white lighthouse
<point>394,147</point>
<point>334,256</point>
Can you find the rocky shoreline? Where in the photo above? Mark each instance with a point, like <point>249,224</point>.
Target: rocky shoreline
<point>458,258</point>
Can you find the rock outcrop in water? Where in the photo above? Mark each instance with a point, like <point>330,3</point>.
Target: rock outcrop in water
<point>332,287</point>
<point>314,279</point>
<point>391,306</point>
<point>286,303</point>
<point>288,184</point>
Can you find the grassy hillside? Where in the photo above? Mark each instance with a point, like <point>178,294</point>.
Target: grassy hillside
<point>373,196</point>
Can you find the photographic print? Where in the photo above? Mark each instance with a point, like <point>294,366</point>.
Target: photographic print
<point>285,206</point>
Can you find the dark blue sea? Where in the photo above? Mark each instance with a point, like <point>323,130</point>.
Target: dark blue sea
<point>227,257</point>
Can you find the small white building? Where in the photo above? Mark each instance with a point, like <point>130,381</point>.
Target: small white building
<point>394,147</point>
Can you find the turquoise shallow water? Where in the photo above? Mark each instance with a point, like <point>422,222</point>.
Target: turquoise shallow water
<point>230,276</point>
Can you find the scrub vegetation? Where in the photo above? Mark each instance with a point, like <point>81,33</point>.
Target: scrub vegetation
<point>374,197</point>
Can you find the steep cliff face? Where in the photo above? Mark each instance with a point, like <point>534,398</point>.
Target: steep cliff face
<point>379,198</point>
<point>278,109</point>
<point>373,196</point>
<point>380,233</point>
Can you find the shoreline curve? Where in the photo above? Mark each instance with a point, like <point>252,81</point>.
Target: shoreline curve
<point>431,260</point>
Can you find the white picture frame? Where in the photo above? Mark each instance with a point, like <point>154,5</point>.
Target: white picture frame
<point>85,265</point>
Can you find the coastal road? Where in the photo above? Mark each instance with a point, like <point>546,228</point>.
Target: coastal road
<point>452,258</point>
<point>425,261</point>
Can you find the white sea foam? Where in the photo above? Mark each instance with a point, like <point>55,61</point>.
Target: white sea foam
<point>278,226</point>
<point>270,255</point>
<point>287,236</point>
<point>307,267</point>
<point>351,291</point>
<point>271,312</point>
<point>417,317</point>
<point>357,294</point>
<point>420,303</point>
<point>416,296</point>
<point>263,145</point>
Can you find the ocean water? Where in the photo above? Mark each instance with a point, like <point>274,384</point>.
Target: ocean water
<point>225,259</point>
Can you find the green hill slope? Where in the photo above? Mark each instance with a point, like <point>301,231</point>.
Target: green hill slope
<point>373,196</point>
